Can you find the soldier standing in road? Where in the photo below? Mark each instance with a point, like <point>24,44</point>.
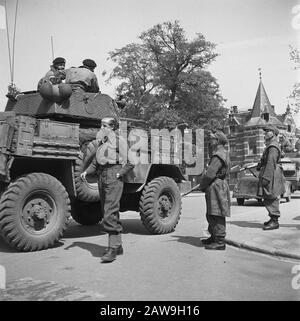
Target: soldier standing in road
<point>286,145</point>
<point>213,183</point>
<point>110,162</point>
<point>271,179</point>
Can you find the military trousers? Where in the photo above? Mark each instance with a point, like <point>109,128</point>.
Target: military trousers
<point>272,206</point>
<point>110,190</point>
<point>216,226</point>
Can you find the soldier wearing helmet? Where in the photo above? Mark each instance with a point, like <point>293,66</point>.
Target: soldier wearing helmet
<point>271,179</point>
<point>213,183</point>
<point>111,163</point>
<point>56,74</point>
<point>83,78</point>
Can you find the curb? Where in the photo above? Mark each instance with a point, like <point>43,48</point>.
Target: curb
<point>263,250</point>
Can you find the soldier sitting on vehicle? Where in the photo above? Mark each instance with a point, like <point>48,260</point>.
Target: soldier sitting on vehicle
<point>285,144</point>
<point>56,74</point>
<point>83,78</point>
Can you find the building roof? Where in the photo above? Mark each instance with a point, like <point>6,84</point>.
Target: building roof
<point>262,103</point>
<point>261,106</point>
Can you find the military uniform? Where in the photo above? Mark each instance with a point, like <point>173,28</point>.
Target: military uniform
<point>82,79</point>
<point>217,195</point>
<point>55,75</point>
<point>271,184</point>
<point>109,162</point>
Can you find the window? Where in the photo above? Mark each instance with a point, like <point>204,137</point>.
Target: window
<point>266,116</point>
<point>231,129</point>
<point>252,148</point>
<point>289,128</point>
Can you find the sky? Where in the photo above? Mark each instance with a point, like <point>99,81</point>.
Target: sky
<point>249,34</point>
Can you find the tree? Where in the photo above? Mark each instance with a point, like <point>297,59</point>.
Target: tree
<point>135,68</point>
<point>164,78</point>
<point>295,95</point>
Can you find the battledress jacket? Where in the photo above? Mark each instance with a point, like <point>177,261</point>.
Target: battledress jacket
<point>91,162</point>
<point>271,181</point>
<point>213,183</point>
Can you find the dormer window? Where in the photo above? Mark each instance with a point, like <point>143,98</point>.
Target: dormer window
<point>265,116</point>
<point>231,129</point>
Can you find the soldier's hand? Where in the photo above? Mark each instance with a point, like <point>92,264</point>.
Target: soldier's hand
<point>83,175</point>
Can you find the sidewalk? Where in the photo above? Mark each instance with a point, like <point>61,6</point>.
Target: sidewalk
<point>244,228</point>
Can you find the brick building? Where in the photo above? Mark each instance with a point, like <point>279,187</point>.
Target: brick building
<point>244,129</point>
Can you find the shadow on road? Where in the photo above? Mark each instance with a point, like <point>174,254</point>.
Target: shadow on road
<point>6,248</point>
<point>259,225</point>
<point>191,240</point>
<point>75,230</point>
<point>134,226</point>
<point>94,249</point>
<point>246,224</point>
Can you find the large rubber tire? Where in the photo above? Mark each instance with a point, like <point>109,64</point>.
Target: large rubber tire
<point>34,211</point>
<point>86,213</point>
<point>160,205</point>
<point>86,190</point>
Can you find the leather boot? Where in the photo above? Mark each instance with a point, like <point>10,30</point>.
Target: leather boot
<point>268,222</point>
<point>217,244</point>
<point>114,248</point>
<point>208,240</point>
<point>272,224</point>
<point>110,255</point>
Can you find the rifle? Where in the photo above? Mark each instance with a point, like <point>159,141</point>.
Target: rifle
<point>191,190</point>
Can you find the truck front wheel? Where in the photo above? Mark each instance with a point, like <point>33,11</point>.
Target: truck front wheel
<point>160,205</point>
<point>34,211</point>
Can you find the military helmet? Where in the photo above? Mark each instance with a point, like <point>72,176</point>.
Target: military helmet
<point>219,136</point>
<point>89,63</point>
<point>271,128</point>
<point>59,60</point>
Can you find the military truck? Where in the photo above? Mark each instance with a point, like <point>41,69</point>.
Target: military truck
<point>42,146</point>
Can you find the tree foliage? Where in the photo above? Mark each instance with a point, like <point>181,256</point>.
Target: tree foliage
<point>295,95</point>
<point>165,81</point>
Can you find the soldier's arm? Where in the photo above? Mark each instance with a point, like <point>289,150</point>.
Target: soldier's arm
<point>271,163</point>
<point>94,85</point>
<point>92,168</point>
<point>210,174</point>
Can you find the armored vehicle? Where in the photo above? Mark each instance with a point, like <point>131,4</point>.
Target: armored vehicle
<point>42,146</point>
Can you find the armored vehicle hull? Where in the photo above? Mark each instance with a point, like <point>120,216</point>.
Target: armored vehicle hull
<point>42,149</point>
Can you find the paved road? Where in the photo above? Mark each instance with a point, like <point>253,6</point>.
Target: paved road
<point>163,267</point>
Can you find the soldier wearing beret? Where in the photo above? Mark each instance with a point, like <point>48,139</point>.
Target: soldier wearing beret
<point>217,195</point>
<point>56,74</point>
<point>83,78</point>
<point>271,179</point>
<point>108,157</point>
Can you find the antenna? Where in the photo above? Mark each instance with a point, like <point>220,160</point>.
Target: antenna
<point>8,44</point>
<point>13,91</point>
<point>259,69</point>
<point>52,48</point>
<point>14,38</point>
